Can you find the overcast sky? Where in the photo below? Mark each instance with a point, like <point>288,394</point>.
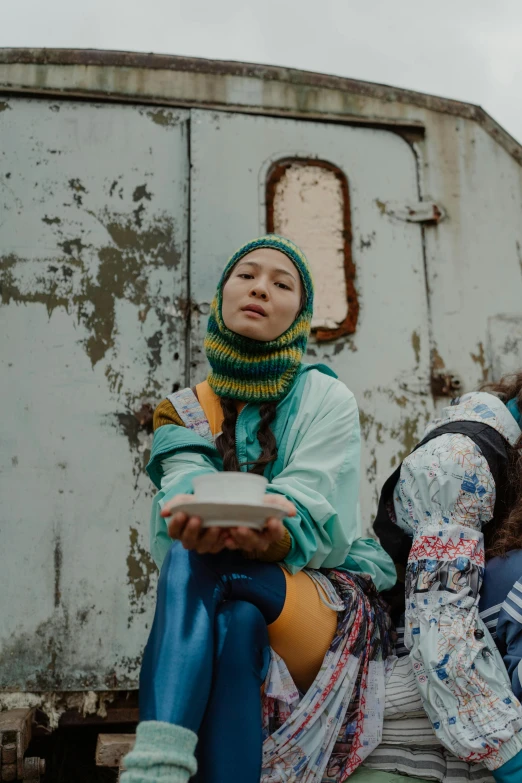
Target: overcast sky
<point>465,49</point>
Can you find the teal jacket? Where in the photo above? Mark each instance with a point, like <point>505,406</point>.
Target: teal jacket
<point>317,468</point>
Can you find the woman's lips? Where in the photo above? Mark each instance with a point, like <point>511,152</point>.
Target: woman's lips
<point>256,311</point>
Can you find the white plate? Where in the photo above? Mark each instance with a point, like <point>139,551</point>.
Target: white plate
<point>230,514</point>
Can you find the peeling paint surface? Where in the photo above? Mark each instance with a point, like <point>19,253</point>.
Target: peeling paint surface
<point>386,362</point>
<point>93,262</point>
<point>504,346</point>
<point>94,303</point>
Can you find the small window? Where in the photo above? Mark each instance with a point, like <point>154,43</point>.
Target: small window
<point>308,202</point>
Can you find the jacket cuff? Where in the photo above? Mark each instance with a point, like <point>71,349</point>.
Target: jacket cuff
<point>511,771</point>
<point>502,764</point>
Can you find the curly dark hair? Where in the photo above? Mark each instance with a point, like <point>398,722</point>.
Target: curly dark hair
<point>506,534</point>
<point>226,442</point>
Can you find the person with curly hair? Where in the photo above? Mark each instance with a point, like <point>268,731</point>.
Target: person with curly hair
<point>451,518</point>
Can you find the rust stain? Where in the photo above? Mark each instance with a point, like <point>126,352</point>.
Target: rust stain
<point>154,343</point>
<point>381,206</point>
<point>364,244</point>
<point>11,292</point>
<point>4,106</point>
<point>163,117</point>
<point>123,273</point>
<point>415,342</point>
<point>69,246</point>
<point>140,570</point>
<point>480,359</point>
<point>135,426</point>
<point>407,434</point>
<point>78,189</point>
<point>437,362</point>
<point>58,561</point>
<point>366,422</point>
<point>141,192</point>
<point>51,221</point>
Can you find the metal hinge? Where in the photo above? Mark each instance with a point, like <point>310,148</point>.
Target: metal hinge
<point>445,384</point>
<point>427,212</point>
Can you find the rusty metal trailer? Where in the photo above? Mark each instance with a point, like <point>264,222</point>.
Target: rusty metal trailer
<point>125,182</point>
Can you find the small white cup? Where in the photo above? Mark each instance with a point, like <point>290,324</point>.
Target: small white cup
<point>230,487</point>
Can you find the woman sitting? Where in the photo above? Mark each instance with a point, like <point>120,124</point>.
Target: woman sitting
<point>227,597</point>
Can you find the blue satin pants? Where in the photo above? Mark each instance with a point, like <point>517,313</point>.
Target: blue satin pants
<point>208,654</point>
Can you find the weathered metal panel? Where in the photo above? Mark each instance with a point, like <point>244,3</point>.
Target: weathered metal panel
<point>474,257</point>
<point>386,361</point>
<point>93,275</point>
<point>504,345</point>
<point>232,85</point>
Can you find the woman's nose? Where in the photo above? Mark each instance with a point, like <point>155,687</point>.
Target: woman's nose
<point>259,292</point>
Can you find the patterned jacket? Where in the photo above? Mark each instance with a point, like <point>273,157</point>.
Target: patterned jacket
<point>444,497</point>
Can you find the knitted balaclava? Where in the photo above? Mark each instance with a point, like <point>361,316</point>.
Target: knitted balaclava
<point>251,370</point>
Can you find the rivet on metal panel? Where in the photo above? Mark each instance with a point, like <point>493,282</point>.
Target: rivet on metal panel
<point>311,174</point>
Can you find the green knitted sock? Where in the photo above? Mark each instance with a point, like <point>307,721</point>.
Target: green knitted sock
<point>163,753</point>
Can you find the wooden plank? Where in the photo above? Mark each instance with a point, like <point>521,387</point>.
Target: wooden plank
<point>111,749</point>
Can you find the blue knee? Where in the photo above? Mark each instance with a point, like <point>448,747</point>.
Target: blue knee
<point>179,568</point>
<point>242,645</point>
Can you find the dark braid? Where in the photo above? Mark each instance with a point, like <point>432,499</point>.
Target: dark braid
<point>266,437</point>
<point>226,443</point>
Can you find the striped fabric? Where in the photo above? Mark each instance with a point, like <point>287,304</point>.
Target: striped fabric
<point>251,370</point>
<point>435,764</point>
<point>409,745</point>
<point>513,603</point>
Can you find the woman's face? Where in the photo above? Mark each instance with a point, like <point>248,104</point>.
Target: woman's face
<point>262,296</point>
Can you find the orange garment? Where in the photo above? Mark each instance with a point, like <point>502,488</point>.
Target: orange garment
<point>211,405</point>
<point>304,630</point>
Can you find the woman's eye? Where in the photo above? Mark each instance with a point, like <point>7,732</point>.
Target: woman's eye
<point>283,285</point>
<point>246,276</point>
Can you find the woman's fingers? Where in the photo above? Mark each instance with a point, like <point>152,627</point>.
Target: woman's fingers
<point>208,542</point>
<point>177,524</point>
<point>274,530</point>
<point>170,504</point>
<point>220,542</point>
<point>272,499</point>
<point>190,535</point>
<point>247,539</point>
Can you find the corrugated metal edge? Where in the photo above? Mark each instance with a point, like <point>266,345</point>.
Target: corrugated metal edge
<point>266,73</point>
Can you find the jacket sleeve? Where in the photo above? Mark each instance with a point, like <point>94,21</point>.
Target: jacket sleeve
<point>321,477</point>
<point>178,456</point>
<point>509,635</point>
<point>446,494</point>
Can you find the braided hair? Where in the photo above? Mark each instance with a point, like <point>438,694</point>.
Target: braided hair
<point>226,442</point>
